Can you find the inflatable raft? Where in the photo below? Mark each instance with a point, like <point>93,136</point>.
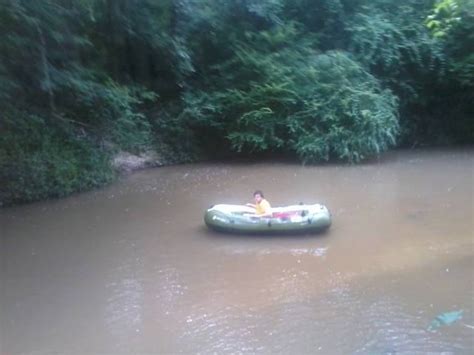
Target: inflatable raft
<point>290,219</point>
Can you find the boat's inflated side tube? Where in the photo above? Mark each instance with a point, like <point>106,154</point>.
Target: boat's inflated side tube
<point>289,219</point>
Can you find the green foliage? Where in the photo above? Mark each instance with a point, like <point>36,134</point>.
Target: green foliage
<point>444,16</point>
<point>347,115</point>
<point>390,40</point>
<point>450,100</point>
<point>107,109</point>
<point>463,69</point>
<point>319,106</point>
<point>38,162</point>
<point>60,120</point>
<point>324,19</point>
<point>391,44</point>
<point>456,31</point>
<point>174,141</point>
<point>139,42</point>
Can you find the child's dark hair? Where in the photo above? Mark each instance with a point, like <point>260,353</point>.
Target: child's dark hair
<point>258,192</point>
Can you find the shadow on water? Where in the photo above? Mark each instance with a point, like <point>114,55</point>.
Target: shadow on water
<point>253,160</point>
<point>281,235</point>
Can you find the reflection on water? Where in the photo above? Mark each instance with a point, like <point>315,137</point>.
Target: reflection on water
<point>132,269</point>
<point>124,307</point>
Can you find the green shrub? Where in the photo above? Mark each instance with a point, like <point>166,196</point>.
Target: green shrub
<point>319,106</point>
<point>347,115</point>
<point>38,161</point>
<point>174,141</point>
<point>106,109</point>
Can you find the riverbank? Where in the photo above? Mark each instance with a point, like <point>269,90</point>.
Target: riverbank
<point>124,163</point>
<point>60,173</point>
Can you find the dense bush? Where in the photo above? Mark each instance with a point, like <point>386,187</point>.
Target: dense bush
<point>62,117</point>
<point>38,161</point>
<point>348,115</point>
<point>449,104</point>
<point>317,105</point>
<point>55,153</point>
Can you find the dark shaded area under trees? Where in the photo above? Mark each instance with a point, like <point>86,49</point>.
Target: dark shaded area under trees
<point>81,80</point>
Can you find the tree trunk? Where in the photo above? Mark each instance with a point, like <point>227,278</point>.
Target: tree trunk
<point>47,83</point>
<point>111,29</point>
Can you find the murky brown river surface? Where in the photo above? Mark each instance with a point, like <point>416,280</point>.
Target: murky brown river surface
<point>132,269</point>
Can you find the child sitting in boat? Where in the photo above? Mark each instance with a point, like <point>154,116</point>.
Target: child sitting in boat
<point>262,206</point>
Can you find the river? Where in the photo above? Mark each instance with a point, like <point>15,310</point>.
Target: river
<point>131,268</point>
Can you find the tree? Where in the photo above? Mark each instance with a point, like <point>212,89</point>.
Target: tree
<point>278,94</point>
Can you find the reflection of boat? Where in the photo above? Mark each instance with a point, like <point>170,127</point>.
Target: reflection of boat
<point>289,219</point>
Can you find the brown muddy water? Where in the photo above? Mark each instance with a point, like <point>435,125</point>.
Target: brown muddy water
<point>132,269</point>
